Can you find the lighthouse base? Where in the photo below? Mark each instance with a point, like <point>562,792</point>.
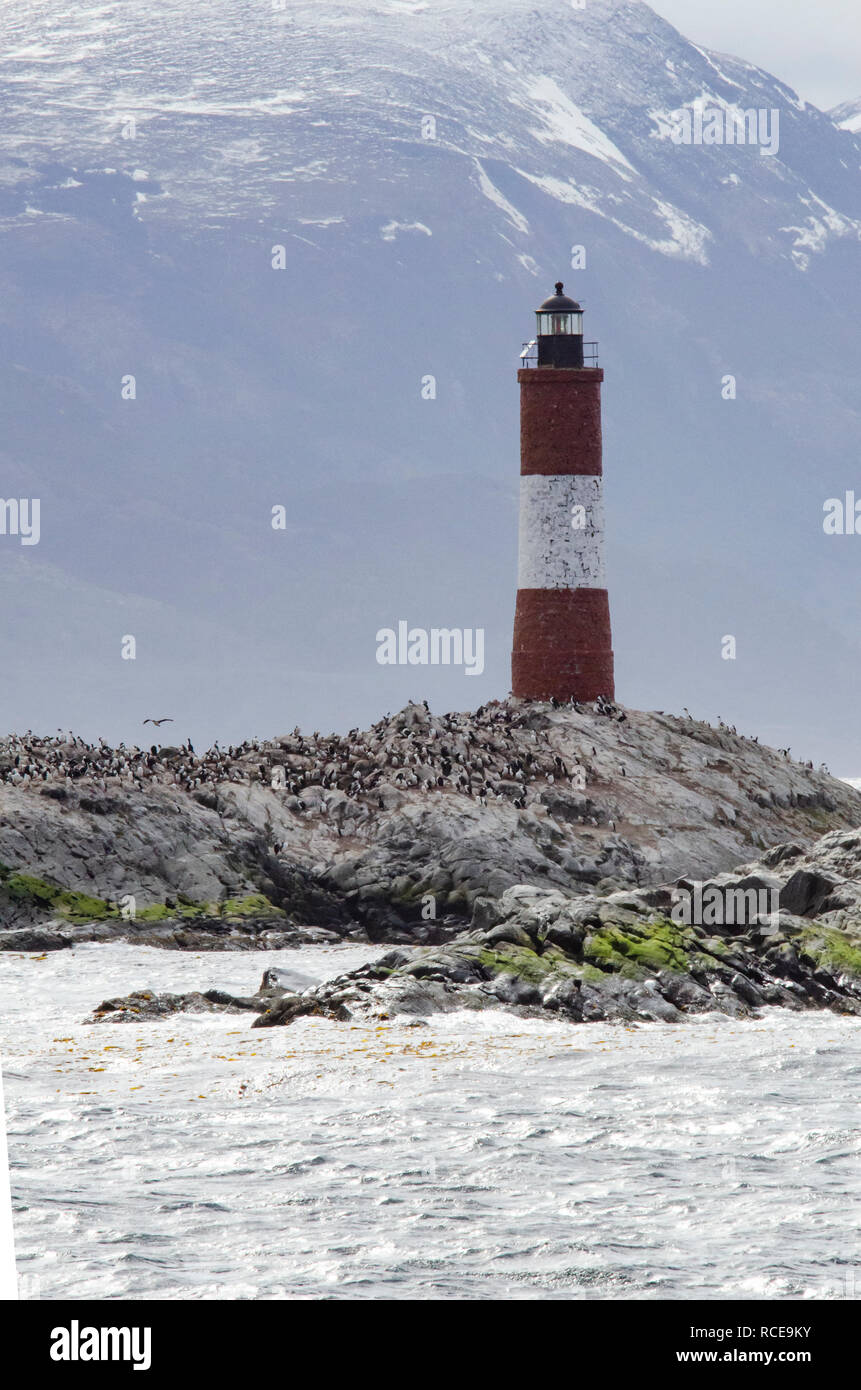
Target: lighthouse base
<point>562,645</point>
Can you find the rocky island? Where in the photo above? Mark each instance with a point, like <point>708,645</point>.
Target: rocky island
<point>527,855</point>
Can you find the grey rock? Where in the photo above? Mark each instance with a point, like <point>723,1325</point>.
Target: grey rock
<point>509,931</point>
<point>805,891</point>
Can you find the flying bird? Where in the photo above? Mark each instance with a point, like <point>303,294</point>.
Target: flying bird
<point>157,722</point>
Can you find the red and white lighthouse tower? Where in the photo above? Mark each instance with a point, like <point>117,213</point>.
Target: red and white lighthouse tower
<point>562,643</point>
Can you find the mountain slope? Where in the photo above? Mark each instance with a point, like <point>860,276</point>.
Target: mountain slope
<point>407,256</point>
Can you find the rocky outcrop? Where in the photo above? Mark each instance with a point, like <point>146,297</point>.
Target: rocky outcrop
<point>277,987</point>
<point>583,960</point>
<point>247,933</point>
<point>784,931</point>
<point>405,827</point>
<point>589,959</point>
<point>278,1000</point>
<point>145,1005</point>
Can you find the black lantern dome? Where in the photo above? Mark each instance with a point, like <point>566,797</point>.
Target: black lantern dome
<point>560,331</point>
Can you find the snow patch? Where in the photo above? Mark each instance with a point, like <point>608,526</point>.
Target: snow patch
<point>391,229</point>
<point>712,64</point>
<point>823,223</point>
<point>667,121</point>
<point>566,123</point>
<point>847,116</point>
<point>491,192</point>
<point>688,239</point>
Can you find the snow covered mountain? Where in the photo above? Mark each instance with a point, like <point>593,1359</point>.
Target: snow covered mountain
<point>427,170</point>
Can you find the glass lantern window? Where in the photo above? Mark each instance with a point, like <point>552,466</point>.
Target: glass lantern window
<point>565,323</point>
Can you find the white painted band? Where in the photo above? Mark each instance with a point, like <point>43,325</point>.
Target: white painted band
<point>561,532</point>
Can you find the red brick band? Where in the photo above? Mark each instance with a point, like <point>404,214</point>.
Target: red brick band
<point>560,420</point>
<point>562,645</point>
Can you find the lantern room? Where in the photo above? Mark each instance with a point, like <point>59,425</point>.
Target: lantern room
<point>560,331</point>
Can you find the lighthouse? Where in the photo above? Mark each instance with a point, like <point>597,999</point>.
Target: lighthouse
<point>562,643</point>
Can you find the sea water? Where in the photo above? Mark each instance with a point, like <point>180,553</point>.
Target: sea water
<point>482,1155</point>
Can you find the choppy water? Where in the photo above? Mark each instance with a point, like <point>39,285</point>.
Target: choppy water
<point>483,1156</point>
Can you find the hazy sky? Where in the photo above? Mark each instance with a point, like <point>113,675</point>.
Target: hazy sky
<point>813,45</point>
